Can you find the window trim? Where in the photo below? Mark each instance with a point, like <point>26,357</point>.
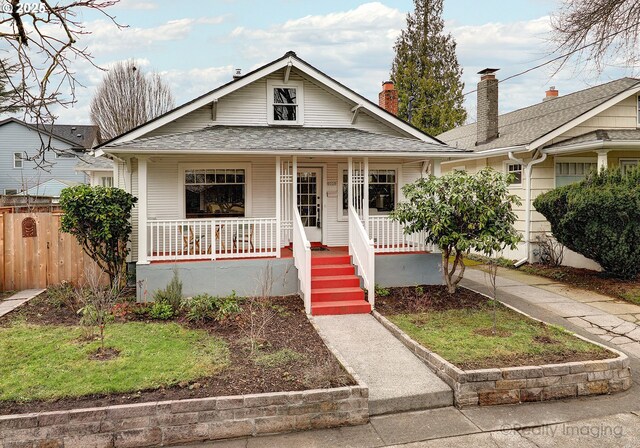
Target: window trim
<point>569,160</point>
<point>19,154</point>
<point>628,159</point>
<point>299,86</point>
<point>507,163</point>
<point>372,166</point>
<point>183,167</point>
<point>102,181</point>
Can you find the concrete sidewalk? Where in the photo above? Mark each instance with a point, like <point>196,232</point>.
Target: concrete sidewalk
<point>398,381</point>
<point>10,303</point>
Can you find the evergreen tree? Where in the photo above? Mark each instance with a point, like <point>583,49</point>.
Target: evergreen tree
<point>9,98</point>
<point>426,72</point>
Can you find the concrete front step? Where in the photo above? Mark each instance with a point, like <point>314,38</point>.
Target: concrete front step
<point>340,307</point>
<point>335,281</point>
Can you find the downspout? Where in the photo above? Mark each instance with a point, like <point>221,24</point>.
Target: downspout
<point>528,168</point>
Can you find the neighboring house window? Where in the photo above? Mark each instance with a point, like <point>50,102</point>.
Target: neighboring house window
<point>17,160</point>
<point>10,191</point>
<point>568,172</point>
<point>215,192</point>
<point>382,191</point>
<point>285,103</point>
<point>516,170</point>
<point>106,181</point>
<point>627,164</point>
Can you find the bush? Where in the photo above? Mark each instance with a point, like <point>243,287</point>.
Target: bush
<point>161,311</point>
<point>598,218</point>
<point>62,296</point>
<point>172,294</point>
<point>204,307</point>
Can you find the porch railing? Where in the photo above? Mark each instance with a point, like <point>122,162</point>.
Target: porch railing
<point>388,236</point>
<point>302,259</point>
<point>361,248</point>
<point>214,238</point>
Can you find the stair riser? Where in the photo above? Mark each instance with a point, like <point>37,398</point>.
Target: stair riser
<point>347,282</point>
<point>334,310</point>
<point>338,259</point>
<point>320,296</point>
<point>324,272</point>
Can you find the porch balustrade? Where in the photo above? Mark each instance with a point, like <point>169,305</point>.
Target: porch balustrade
<point>388,237</point>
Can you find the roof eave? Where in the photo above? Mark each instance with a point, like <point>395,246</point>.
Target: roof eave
<point>593,146</point>
<point>303,153</point>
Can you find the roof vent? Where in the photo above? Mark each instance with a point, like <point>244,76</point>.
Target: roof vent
<point>79,135</point>
<point>73,128</point>
<point>237,74</point>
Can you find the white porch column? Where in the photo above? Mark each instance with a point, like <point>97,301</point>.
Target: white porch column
<point>436,170</point>
<point>278,209</point>
<point>365,193</point>
<point>602,159</point>
<point>142,211</point>
<point>294,186</point>
<point>349,183</point>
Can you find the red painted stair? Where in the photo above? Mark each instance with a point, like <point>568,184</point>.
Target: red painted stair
<point>335,288</point>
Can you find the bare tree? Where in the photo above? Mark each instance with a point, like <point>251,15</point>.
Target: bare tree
<point>598,31</point>
<point>41,42</point>
<point>128,97</point>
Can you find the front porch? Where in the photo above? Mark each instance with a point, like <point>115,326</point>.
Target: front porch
<point>339,203</point>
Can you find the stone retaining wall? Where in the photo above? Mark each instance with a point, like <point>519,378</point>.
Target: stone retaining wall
<point>523,384</point>
<point>182,421</point>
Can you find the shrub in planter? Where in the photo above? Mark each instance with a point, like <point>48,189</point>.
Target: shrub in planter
<point>204,307</point>
<point>599,218</point>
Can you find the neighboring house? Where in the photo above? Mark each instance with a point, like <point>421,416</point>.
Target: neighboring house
<point>99,170</point>
<point>555,142</point>
<point>20,140</point>
<point>50,188</point>
<point>254,177</point>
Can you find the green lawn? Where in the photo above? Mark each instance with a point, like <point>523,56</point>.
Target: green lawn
<point>453,335</point>
<point>47,362</point>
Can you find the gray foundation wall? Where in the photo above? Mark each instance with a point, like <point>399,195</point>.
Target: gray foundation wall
<point>246,277</point>
<point>408,269</point>
<point>221,278</point>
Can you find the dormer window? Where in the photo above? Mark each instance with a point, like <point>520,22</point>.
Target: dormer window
<point>284,103</point>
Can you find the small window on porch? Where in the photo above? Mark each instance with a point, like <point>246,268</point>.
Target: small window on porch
<point>215,192</point>
<point>628,164</point>
<point>382,191</point>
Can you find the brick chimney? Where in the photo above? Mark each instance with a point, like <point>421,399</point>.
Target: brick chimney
<point>551,94</point>
<point>388,98</point>
<point>487,127</point>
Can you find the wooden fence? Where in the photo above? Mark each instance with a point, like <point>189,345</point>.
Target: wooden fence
<point>35,254</point>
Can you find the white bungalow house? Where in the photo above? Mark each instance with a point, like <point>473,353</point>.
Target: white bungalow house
<point>278,182</point>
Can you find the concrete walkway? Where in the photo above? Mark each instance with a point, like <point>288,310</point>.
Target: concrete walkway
<point>398,381</point>
<point>10,303</point>
<point>611,320</point>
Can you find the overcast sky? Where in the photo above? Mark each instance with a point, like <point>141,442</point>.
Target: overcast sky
<point>197,44</point>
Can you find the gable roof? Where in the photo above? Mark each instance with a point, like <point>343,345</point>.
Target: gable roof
<point>262,139</point>
<point>289,59</point>
<point>90,163</point>
<point>80,137</point>
<point>531,124</point>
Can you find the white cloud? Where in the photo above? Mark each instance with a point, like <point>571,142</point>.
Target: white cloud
<point>136,5</point>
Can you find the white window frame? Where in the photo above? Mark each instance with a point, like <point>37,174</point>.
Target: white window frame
<point>372,166</point>
<point>558,160</point>
<point>507,170</point>
<point>183,167</point>
<point>298,85</point>
<point>103,180</point>
<point>14,190</point>
<point>20,159</point>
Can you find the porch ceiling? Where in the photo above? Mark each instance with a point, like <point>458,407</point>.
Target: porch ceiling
<point>260,139</point>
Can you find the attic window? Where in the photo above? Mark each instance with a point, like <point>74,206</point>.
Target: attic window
<point>284,103</point>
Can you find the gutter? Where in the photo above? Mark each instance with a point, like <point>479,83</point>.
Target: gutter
<point>593,146</point>
<point>528,168</point>
<point>319,153</point>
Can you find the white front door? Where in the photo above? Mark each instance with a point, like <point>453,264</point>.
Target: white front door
<point>310,202</point>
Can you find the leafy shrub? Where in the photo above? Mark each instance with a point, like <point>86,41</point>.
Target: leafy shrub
<point>161,311</point>
<point>278,359</point>
<point>62,296</point>
<point>204,307</point>
<point>381,291</point>
<point>171,294</point>
<point>599,218</point>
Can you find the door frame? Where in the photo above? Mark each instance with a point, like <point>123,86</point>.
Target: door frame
<point>323,213</point>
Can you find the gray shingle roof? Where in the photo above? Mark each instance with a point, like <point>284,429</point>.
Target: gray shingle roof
<point>524,126</point>
<point>262,138</point>
<point>82,135</point>
<point>601,135</point>
<point>88,162</point>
